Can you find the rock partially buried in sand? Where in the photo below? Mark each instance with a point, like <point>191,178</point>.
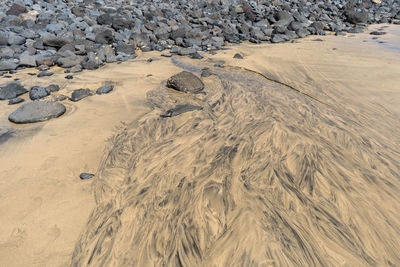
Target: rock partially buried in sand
<point>11,90</point>
<point>37,111</point>
<point>80,94</point>
<point>179,109</point>
<point>86,176</point>
<point>185,82</point>
<point>15,101</point>
<point>104,89</point>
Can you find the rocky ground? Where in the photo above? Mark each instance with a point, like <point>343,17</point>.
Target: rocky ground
<point>84,34</point>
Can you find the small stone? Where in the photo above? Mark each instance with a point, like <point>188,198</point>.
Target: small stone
<point>195,55</point>
<point>377,33</point>
<point>69,77</point>
<point>15,100</point>
<point>104,89</point>
<point>45,74</point>
<point>86,176</point>
<point>53,87</point>
<point>238,56</point>
<point>179,109</point>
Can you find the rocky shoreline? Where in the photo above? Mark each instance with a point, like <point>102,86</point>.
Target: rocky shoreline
<point>86,34</point>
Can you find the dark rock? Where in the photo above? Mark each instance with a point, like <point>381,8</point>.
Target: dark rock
<point>166,55</point>
<point>11,90</point>
<point>38,92</point>
<point>279,38</point>
<point>79,94</point>
<point>185,82</point>
<point>15,100</point>
<point>16,9</point>
<point>45,74</point>
<point>37,111</point>
<point>195,55</point>
<point>179,109</point>
<point>104,19</point>
<point>53,87</point>
<point>86,176</point>
<point>357,17</point>
<point>377,33</point>
<point>55,41</point>
<point>104,89</point>
<point>302,32</point>
<point>238,56</point>
<point>70,61</point>
<point>206,73</point>
<point>105,37</point>
<point>69,77</point>
<point>91,64</point>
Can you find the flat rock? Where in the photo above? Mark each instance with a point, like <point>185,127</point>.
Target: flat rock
<point>179,109</point>
<point>53,87</point>
<point>11,90</point>
<point>80,94</point>
<point>45,74</point>
<point>86,176</point>
<point>7,64</point>
<point>185,82</point>
<point>104,89</point>
<point>15,100</point>
<point>37,111</point>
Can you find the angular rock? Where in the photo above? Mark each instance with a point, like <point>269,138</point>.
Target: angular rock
<point>38,92</point>
<point>86,176</point>
<point>7,64</point>
<point>11,90</point>
<point>70,61</point>
<point>55,41</point>
<point>37,111</point>
<point>357,17</point>
<point>16,9</point>
<point>27,60</point>
<point>185,82</point>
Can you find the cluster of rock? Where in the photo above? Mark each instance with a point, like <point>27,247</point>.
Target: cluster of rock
<point>36,110</point>
<point>83,34</point>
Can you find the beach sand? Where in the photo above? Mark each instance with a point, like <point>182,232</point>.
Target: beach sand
<point>293,161</point>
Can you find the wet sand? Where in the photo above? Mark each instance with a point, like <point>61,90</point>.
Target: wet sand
<point>294,160</point>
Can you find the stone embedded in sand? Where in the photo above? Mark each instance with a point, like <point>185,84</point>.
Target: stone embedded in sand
<point>179,109</point>
<point>86,176</point>
<point>185,82</point>
<point>38,92</point>
<point>80,94</point>
<point>11,90</point>
<point>37,111</point>
<point>104,89</point>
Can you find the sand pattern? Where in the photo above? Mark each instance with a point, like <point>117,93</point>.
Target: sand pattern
<point>262,175</point>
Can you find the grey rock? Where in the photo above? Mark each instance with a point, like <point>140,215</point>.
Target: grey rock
<point>15,100</point>
<point>180,109</point>
<point>279,38</point>
<point>38,92</point>
<point>302,32</point>
<point>45,74</point>
<point>7,64</point>
<point>79,94</point>
<point>55,41</point>
<point>357,17</point>
<point>238,56</point>
<point>105,37</point>
<point>185,82</point>
<point>86,176</point>
<point>104,89</point>
<point>27,60</point>
<point>11,90</point>
<point>37,111</point>
<point>53,88</point>
<point>68,62</point>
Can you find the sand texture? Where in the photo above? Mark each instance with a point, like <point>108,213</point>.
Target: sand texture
<point>292,158</point>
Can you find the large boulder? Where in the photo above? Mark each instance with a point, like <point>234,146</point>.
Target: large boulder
<point>11,90</point>
<point>357,17</point>
<point>37,111</point>
<point>185,82</point>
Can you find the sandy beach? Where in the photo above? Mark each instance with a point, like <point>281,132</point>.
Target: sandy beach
<point>293,160</point>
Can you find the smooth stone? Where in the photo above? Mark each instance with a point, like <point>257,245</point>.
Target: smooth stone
<point>238,56</point>
<point>80,94</point>
<point>185,82</point>
<point>104,89</point>
<point>45,74</point>
<point>86,176</point>
<point>37,111</point>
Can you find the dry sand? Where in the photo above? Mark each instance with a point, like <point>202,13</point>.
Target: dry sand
<point>293,161</point>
